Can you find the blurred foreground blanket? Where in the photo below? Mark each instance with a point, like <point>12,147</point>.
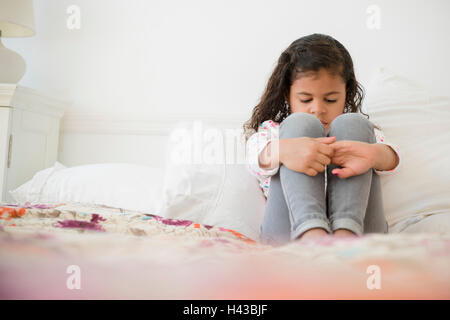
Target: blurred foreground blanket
<point>79,251</point>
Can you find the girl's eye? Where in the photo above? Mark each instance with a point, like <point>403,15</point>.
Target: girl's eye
<point>329,101</point>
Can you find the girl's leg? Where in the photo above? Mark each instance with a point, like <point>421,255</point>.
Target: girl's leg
<point>275,228</point>
<point>296,201</point>
<point>354,203</point>
<point>375,220</point>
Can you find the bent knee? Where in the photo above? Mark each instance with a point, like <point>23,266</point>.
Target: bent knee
<point>352,126</point>
<point>301,124</point>
<point>350,118</point>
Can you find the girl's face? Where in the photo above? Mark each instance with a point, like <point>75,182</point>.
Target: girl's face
<point>320,94</point>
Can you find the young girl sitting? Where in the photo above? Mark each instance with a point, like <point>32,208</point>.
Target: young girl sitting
<point>317,158</point>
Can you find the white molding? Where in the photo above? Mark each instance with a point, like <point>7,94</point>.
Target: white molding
<point>140,124</point>
<point>30,100</point>
<point>6,94</point>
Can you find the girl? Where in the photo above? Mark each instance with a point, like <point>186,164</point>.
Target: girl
<point>316,156</point>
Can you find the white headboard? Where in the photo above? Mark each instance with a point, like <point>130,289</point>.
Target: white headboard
<point>47,129</point>
<point>87,138</point>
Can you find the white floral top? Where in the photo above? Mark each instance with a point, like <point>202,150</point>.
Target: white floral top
<point>268,131</point>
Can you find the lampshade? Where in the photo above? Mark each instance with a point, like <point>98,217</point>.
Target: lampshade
<point>16,18</point>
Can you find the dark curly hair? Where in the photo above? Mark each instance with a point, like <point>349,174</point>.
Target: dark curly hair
<point>309,53</point>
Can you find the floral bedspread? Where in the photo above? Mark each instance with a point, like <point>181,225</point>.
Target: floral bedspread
<point>80,251</point>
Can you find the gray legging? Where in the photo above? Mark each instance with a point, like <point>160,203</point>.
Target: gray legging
<point>298,202</point>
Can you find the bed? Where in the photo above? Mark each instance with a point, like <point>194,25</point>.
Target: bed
<point>123,254</point>
<point>116,231</point>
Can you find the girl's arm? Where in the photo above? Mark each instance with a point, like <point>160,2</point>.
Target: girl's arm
<point>388,155</point>
<point>256,147</point>
<point>269,158</point>
<point>386,159</point>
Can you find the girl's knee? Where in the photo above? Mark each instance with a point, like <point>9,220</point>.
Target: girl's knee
<point>299,117</point>
<point>352,126</point>
<point>352,118</point>
<point>301,124</point>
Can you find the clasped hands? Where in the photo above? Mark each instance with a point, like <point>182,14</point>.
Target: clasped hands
<point>354,157</point>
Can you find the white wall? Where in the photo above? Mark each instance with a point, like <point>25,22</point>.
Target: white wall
<point>213,57</point>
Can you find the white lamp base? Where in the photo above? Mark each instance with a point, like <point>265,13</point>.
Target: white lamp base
<point>12,65</point>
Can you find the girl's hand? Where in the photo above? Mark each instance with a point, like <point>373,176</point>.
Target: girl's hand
<point>306,155</point>
<point>354,157</point>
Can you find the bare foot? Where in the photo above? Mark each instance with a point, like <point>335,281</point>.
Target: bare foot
<point>314,233</point>
<point>343,233</point>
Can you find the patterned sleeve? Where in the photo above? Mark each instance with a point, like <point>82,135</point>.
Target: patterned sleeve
<point>382,139</point>
<point>267,131</point>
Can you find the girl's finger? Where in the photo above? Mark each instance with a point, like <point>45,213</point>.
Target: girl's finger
<point>323,159</point>
<point>326,150</point>
<point>317,166</point>
<point>311,172</point>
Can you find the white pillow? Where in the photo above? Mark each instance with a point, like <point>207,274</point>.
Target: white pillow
<point>31,190</point>
<point>119,185</point>
<point>434,223</point>
<point>213,193</point>
<point>418,124</point>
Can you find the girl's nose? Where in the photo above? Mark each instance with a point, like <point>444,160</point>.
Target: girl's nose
<point>317,109</point>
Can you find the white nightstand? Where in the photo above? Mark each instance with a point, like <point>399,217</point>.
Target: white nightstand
<point>29,135</point>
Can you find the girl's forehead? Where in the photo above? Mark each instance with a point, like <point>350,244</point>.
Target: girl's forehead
<point>321,77</point>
